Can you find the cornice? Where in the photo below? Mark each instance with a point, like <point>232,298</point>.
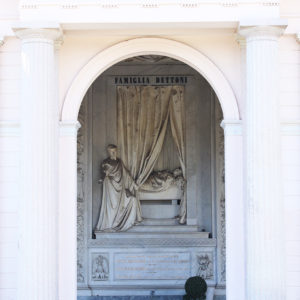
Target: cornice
<point>75,12</point>
<point>144,3</point>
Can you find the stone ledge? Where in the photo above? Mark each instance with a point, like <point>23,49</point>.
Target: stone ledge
<point>152,240</point>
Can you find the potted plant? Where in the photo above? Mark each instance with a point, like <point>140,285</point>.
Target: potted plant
<point>195,288</point>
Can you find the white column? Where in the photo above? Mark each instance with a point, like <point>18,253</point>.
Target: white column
<point>68,210</point>
<point>234,210</point>
<point>38,243</point>
<point>265,275</point>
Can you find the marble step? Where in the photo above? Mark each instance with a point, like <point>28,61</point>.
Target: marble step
<point>163,228</point>
<point>154,235</point>
<point>149,222</point>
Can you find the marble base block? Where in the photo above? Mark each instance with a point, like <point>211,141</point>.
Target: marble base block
<point>152,295</point>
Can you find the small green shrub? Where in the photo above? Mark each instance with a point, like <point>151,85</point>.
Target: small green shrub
<point>195,288</point>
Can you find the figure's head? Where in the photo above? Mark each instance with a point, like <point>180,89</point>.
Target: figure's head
<point>177,172</point>
<point>112,151</point>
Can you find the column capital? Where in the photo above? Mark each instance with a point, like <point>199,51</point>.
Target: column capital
<point>69,128</point>
<point>48,31</point>
<point>240,40</point>
<point>232,127</point>
<point>58,42</point>
<point>271,29</point>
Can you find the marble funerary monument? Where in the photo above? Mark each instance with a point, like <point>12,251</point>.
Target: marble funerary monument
<point>151,205</point>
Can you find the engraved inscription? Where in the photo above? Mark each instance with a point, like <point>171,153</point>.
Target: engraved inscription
<point>151,266</point>
<point>150,80</point>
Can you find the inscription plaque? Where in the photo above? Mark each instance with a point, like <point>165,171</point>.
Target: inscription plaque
<point>150,80</point>
<point>151,266</point>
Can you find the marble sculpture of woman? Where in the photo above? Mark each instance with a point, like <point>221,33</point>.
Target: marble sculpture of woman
<point>119,204</point>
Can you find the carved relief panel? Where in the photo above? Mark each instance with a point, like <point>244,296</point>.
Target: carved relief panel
<point>99,266</point>
<point>82,196</point>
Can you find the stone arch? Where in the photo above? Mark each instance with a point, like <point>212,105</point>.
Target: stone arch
<point>235,255</point>
<point>146,46</point>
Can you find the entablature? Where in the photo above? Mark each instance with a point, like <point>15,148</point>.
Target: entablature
<point>144,11</point>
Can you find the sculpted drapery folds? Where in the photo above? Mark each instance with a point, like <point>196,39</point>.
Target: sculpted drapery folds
<point>119,204</point>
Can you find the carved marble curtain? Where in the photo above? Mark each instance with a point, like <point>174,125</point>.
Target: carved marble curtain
<point>177,121</point>
<point>143,116</point>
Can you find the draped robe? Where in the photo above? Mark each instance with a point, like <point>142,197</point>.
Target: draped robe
<point>119,204</point>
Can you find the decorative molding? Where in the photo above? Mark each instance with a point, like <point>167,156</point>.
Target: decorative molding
<point>189,5</point>
<point>232,3</point>
<point>68,128</point>
<point>150,5</point>
<point>161,46</point>
<point>10,128</point>
<point>29,5</point>
<point>69,6</point>
<point>30,31</point>
<point>152,242</point>
<point>240,40</point>
<point>270,3</point>
<point>220,198</point>
<point>58,43</point>
<point>109,6</point>
<point>99,266</point>
<point>80,242</point>
<point>81,196</point>
<point>232,127</point>
<point>291,128</point>
<point>205,265</point>
<point>151,59</point>
<point>37,4</point>
<point>262,31</point>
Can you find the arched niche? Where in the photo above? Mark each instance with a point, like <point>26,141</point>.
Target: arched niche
<point>68,153</point>
<point>149,46</point>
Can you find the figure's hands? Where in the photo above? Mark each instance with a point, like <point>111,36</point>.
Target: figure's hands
<point>105,168</point>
